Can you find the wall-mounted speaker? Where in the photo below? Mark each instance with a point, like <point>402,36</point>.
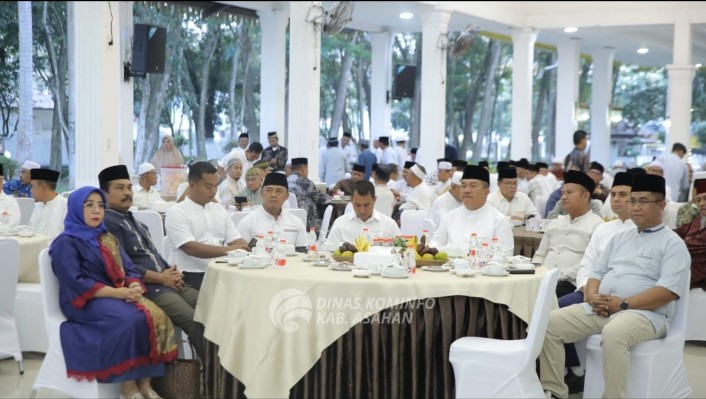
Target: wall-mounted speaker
<point>149,44</point>
<point>405,81</point>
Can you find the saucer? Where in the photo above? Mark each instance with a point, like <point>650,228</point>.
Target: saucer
<point>321,263</point>
<point>396,275</point>
<point>496,275</point>
<point>435,268</point>
<point>342,266</point>
<point>464,273</point>
<point>362,273</point>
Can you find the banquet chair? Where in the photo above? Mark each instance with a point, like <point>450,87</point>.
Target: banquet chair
<point>26,209</point>
<point>293,204</point>
<point>30,327</point>
<point>656,366</point>
<point>349,209</point>
<point>495,368</point>
<point>428,224</point>
<point>66,194</point>
<point>695,320</point>
<point>411,222</point>
<point>300,213</point>
<point>236,217</point>
<point>52,373</point>
<point>669,215</point>
<point>154,223</point>
<point>9,339</point>
<point>325,221</point>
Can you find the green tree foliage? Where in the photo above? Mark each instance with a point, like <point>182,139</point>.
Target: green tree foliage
<point>9,66</point>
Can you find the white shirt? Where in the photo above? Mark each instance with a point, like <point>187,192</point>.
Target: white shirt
<point>493,186</point>
<point>441,187</point>
<point>599,240</point>
<point>538,186</point>
<point>351,152</point>
<point>401,156</point>
<point>442,205</point>
<point>385,200</point>
<point>349,226</point>
<point>334,166</point>
<point>228,189</point>
<point>676,174</point>
<point>287,226</point>
<point>402,188</point>
<point>378,154</point>
<point>487,222</point>
<point>389,156</point>
<point>144,199</point>
<point>48,218</point>
<point>553,182</point>
<point>420,197</point>
<point>188,221</point>
<point>565,242</point>
<point>9,204</point>
<point>520,206</point>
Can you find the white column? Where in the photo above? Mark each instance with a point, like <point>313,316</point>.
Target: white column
<point>522,79</point>
<point>601,96</point>
<point>127,155</point>
<point>304,83</point>
<point>380,112</point>
<point>681,75</point>
<point>567,94</point>
<point>433,91</point>
<point>272,74</point>
<point>100,89</point>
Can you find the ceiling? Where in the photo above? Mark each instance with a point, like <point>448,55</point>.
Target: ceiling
<point>622,25</point>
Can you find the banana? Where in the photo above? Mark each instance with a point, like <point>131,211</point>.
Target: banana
<point>362,243</point>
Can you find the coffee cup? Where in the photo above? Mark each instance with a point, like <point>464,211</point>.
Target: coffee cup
<point>236,256</point>
<point>255,261</point>
<point>393,270</point>
<point>374,268</point>
<point>494,268</point>
<point>461,264</point>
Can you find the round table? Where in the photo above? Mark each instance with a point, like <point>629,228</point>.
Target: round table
<point>30,247</point>
<point>526,242</point>
<point>272,330</point>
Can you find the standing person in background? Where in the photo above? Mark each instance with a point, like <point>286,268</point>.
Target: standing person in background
<point>578,159</point>
<point>348,148</point>
<point>50,207</point>
<point>275,154</point>
<point>21,187</point>
<point>334,164</point>
<point>676,173</point>
<point>413,154</point>
<point>388,154</point>
<point>401,151</point>
<point>167,155</point>
<point>366,158</point>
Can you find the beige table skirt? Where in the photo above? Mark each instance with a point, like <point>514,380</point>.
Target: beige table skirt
<point>30,247</point>
<point>526,242</point>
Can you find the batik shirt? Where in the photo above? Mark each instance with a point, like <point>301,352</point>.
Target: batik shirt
<point>279,154</point>
<point>307,198</point>
<point>17,189</point>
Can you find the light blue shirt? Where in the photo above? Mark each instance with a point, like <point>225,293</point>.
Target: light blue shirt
<point>635,261</point>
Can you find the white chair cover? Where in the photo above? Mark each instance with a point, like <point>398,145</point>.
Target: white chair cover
<point>349,209</point>
<point>31,328</point>
<point>300,213</point>
<point>293,204</point>
<point>155,225</point>
<point>52,374</point>
<point>656,366</point>
<point>695,320</point>
<point>669,215</point>
<point>236,217</point>
<point>411,222</point>
<point>26,209</point>
<point>494,368</point>
<point>325,222</point>
<point>540,202</point>
<point>429,224</point>
<point>9,339</point>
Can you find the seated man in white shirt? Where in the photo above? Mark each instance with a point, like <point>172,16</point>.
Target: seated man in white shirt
<point>271,217</point>
<point>349,226</point>
<point>443,177</point>
<point>447,201</point>
<point>145,194</point>
<point>566,238</point>
<point>420,197</point>
<point>508,200</point>
<point>50,207</point>
<point>198,228</point>
<point>385,202</point>
<point>8,203</point>
<point>232,185</point>
<point>402,188</point>
<point>475,216</point>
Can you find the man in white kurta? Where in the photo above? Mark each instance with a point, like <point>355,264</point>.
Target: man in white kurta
<point>400,187</point>
<point>271,217</point>
<point>198,228</point>
<point>50,207</point>
<point>443,177</point>
<point>349,226</point>
<point>537,185</point>
<point>8,203</point>
<point>385,199</point>
<point>447,201</point>
<point>476,216</point>
<point>566,238</point>
<point>334,164</point>
<point>145,193</point>
<point>516,205</point>
<point>401,151</point>
<point>388,154</point>
<point>233,184</point>
<point>349,148</point>
<point>420,197</point>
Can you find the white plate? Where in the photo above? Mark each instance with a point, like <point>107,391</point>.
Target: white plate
<point>496,275</point>
<point>395,275</point>
<point>362,273</point>
<point>341,267</point>
<point>465,273</point>
<point>435,268</point>
<point>321,263</point>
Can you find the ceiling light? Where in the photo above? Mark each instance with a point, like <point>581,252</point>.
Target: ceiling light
<point>571,29</point>
<point>406,15</point>
<point>698,65</point>
<point>643,50</point>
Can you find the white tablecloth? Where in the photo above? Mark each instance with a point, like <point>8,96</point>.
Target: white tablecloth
<point>272,325</point>
<point>30,247</point>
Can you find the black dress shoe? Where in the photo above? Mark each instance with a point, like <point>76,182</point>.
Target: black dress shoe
<point>574,382</point>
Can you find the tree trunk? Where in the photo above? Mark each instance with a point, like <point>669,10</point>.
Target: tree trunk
<point>488,97</point>
<point>24,134</point>
<point>551,115</point>
<point>342,89</point>
<point>450,125</point>
<point>210,45</point>
<point>539,111</point>
<point>55,149</point>
<point>231,88</point>
<point>471,102</point>
<point>362,101</point>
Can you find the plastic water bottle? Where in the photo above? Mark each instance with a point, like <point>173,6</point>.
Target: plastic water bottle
<point>483,254</point>
<point>5,219</point>
<point>496,253</point>
<point>311,241</point>
<point>410,261</point>
<point>280,255</point>
<point>473,243</point>
<point>260,246</point>
<point>270,244</point>
<point>366,234</point>
<point>473,259</point>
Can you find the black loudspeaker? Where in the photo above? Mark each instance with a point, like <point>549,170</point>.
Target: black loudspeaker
<point>149,45</point>
<point>405,81</point>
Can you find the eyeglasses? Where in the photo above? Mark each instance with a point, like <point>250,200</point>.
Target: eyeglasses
<point>92,205</point>
<point>508,184</point>
<point>641,203</point>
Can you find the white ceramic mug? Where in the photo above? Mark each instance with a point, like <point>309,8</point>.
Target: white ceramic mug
<point>461,264</point>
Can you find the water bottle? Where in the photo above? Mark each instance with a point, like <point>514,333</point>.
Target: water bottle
<point>483,254</point>
<point>366,234</point>
<point>496,253</point>
<point>260,246</point>
<point>281,255</point>
<point>311,241</point>
<point>473,243</point>
<point>5,219</point>
<point>270,244</point>
<point>473,259</point>
<point>410,261</point>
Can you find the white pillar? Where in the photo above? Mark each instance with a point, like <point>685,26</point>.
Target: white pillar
<point>681,75</point>
<point>522,79</point>
<point>567,94</point>
<point>272,74</point>
<point>381,71</point>
<point>304,83</point>
<point>601,97</point>
<point>127,154</point>
<point>433,103</point>
<point>100,88</point>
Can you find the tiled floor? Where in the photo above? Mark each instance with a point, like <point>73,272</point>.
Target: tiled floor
<point>12,385</point>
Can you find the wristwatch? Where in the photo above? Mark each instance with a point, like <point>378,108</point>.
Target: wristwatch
<point>624,304</point>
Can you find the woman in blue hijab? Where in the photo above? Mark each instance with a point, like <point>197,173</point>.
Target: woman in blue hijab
<point>113,334</point>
